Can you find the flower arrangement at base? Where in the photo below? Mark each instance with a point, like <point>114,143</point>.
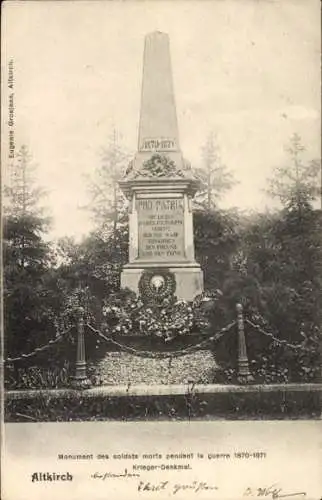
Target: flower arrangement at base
<point>126,314</point>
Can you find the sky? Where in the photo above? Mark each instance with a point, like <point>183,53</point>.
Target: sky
<point>246,70</point>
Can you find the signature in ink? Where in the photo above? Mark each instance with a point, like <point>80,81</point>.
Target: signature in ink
<point>194,487</point>
<point>273,491</point>
<point>111,475</point>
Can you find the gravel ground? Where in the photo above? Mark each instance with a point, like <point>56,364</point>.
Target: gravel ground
<point>123,368</point>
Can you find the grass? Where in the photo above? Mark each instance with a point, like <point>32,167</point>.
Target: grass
<point>86,406</point>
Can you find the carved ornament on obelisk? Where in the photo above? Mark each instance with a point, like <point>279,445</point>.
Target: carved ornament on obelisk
<point>160,186</point>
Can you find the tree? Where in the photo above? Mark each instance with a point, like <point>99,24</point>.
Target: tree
<point>27,258</point>
<point>281,260</point>
<point>296,183</point>
<point>292,277</point>
<point>23,216</point>
<point>92,263</point>
<point>216,239</point>
<point>214,176</point>
<point>107,202</point>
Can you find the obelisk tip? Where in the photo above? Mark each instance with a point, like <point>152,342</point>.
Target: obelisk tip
<point>157,33</point>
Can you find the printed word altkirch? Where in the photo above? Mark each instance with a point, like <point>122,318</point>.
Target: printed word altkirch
<point>51,476</point>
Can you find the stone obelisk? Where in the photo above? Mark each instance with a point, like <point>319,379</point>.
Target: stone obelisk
<point>160,187</point>
<point>158,110</point>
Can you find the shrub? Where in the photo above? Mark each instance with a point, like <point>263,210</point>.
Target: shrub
<point>35,377</point>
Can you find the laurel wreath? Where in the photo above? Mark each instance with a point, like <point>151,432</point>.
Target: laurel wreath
<point>148,292</point>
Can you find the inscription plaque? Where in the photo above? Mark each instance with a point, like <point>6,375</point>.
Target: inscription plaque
<point>157,144</point>
<point>161,229</point>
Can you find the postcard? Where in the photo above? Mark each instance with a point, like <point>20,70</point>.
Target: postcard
<point>161,250</point>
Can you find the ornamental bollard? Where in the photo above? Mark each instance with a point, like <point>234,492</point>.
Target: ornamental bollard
<point>243,372</point>
<point>80,381</point>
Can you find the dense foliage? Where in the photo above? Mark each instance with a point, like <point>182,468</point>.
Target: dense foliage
<point>94,264</point>
<point>283,256</point>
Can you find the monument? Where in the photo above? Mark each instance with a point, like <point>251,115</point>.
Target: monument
<point>160,186</point>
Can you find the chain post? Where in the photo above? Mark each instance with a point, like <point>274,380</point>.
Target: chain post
<point>243,375</point>
<point>80,381</point>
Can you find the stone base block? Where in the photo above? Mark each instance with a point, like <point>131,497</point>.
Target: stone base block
<point>189,280</point>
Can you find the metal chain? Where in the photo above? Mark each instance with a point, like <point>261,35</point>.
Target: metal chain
<point>170,354</point>
<point>41,348</point>
<point>278,341</point>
